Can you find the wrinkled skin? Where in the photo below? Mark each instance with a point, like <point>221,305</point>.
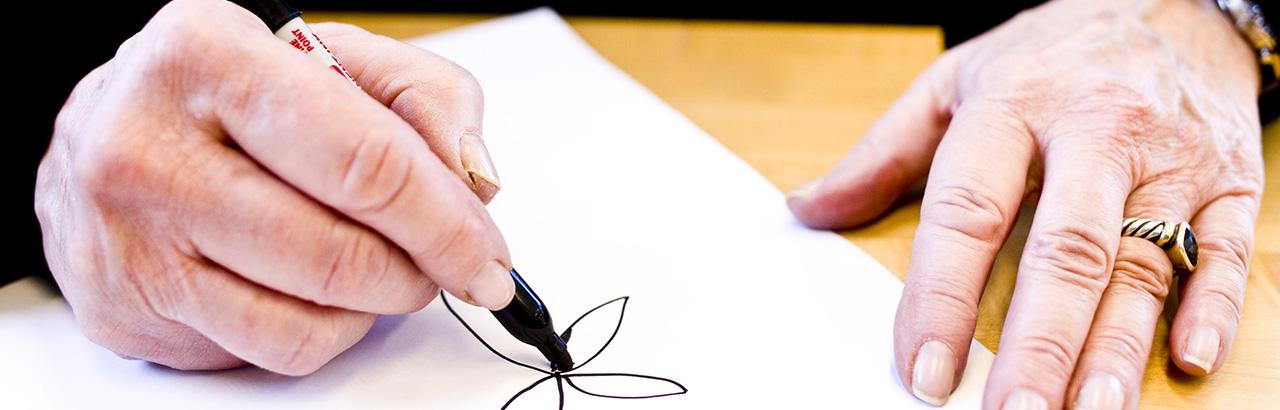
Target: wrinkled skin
<point>207,203</point>
<point>1095,110</point>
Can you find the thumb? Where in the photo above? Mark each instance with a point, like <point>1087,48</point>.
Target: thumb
<point>893,155</point>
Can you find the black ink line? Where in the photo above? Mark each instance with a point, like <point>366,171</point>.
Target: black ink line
<point>562,377</point>
<point>580,375</point>
<point>486,344</point>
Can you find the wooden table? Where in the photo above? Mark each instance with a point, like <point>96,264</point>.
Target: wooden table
<point>792,98</point>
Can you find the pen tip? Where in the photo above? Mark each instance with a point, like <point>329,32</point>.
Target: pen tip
<point>559,356</point>
<point>563,364</point>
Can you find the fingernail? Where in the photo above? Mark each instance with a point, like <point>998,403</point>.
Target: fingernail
<point>1101,391</point>
<point>1202,348</point>
<point>479,166</point>
<point>1023,399</point>
<point>934,373</point>
<point>492,287</point>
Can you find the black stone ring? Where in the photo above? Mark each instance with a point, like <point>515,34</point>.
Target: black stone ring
<point>1176,239</point>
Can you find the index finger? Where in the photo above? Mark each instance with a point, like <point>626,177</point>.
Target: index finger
<point>341,147</point>
<point>438,98</point>
<point>969,206</point>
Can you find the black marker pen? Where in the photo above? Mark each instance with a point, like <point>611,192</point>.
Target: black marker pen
<point>287,24</point>
<point>526,317</point>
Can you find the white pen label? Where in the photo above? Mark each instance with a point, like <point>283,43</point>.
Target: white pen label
<point>299,35</point>
<point>300,41</point>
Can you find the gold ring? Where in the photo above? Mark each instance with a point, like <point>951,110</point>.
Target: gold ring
<point>1177,240</point>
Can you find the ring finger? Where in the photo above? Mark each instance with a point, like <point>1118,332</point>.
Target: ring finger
<point>1109,372</point>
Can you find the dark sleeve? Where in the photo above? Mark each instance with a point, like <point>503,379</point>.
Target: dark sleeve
<point>967,19</point>
<point>55,58</point>
<point>1269,102</point>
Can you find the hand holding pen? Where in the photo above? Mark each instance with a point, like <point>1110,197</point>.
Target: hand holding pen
<point>214,197</point>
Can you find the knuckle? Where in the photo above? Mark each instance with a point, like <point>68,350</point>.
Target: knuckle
<point>1143,272</point>
<point>1130,114</point>
<point>375,177</point>
<point>179,42</point>
<point>1076,256</point>
<point>1007,74</point>
<point>452,83</point>
<point>435,97</point>
<point>424,298</point>
<point>945,297</point>
<point>1232,250</point>
<point>169,296</point>
<point>1025,91</point>
<point>939,82</point>
<point>307,352</point>
<point>1007,83</point>
<point>179,31</point>
<point>107,164</point>
<point>1120,343</point>
<point>359,261</point>
<point>459,77</point>
<point>1047,354</point>
<point>968,212</point>
<point>1229,301</point>
<point>458,236</point>
<point>1134,103</point>
<point>125,164</point>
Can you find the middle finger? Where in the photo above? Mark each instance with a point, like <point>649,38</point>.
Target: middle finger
<point>1065,266</point>
<point>265,231</point>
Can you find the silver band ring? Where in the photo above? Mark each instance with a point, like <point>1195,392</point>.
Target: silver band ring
<point>1177,240</point>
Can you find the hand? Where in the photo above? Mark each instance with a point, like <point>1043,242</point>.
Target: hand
<point>212,196</point>
<point>1100,109</point>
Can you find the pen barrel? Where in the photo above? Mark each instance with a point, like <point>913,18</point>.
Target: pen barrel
<point>299,35</point>
<point>528,320</point>
<point>526,317</point>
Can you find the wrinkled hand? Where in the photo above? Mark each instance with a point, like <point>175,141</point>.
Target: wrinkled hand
<point>212,196</point>
<point>1098,109</point>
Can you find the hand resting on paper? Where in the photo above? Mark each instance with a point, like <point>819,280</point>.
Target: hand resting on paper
<point>213,197</point>
<point>1097,110</point>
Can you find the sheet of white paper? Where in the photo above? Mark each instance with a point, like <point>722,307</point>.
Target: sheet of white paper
<point>607,191</point>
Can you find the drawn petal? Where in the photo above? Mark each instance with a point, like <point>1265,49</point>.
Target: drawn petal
<point>594,330</point>
<point>527,389</point>
<point>624,385</point>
